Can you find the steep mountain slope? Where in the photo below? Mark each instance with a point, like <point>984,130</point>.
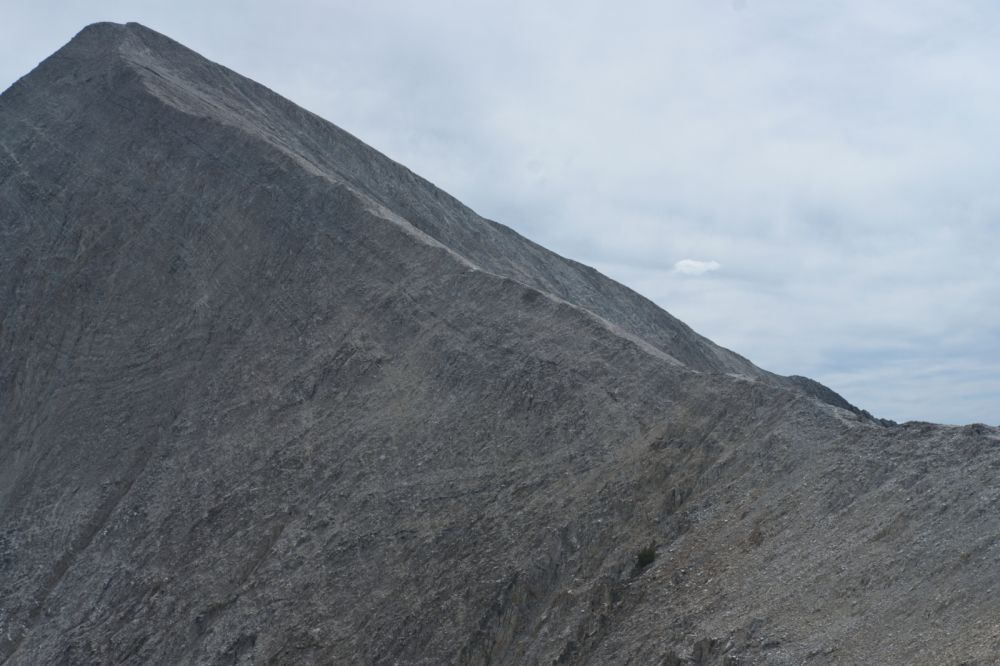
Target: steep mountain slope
<point>187,82</point>
<point>266,396</point>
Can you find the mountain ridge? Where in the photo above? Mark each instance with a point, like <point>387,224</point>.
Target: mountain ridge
<point>462,231</point>
<point>260,409</point>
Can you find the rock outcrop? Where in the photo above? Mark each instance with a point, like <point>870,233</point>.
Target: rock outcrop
<point>267,396</point>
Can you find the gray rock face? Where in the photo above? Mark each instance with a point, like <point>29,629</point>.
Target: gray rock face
<point>267,396</point>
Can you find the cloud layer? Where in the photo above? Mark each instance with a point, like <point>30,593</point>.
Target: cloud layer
<point>838,159</point>
<point>695,267</point>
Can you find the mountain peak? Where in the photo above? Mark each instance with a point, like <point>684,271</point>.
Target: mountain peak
<point>108,36</point>
<point>267,396</point>
<point>88,57</point>
<point>188,83</point>
<point>140,66</point>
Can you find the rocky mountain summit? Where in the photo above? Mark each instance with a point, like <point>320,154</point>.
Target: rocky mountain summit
<point>268,397</point>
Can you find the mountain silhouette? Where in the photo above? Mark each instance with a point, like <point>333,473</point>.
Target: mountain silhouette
<point>269,397</point>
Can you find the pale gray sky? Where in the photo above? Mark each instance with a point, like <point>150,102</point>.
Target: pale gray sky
<point>810,184</point>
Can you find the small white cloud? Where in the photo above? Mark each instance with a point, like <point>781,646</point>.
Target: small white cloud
<point>695,267</point>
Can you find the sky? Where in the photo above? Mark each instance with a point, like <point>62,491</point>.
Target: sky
<point>811,184</point>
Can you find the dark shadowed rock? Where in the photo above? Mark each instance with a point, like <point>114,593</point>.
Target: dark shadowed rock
<point>267,396</point>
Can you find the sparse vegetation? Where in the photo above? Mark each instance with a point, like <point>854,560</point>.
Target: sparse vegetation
<point>645,557</point>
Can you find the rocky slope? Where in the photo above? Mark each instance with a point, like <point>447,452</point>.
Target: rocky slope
<point>267,396</point>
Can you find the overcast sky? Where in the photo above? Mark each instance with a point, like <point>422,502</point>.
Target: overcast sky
<point>811,184</point>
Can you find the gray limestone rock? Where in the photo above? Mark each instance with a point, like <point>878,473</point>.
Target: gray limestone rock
<point>268,397</point>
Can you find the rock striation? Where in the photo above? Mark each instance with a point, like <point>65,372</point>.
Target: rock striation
<point>268,397</point>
